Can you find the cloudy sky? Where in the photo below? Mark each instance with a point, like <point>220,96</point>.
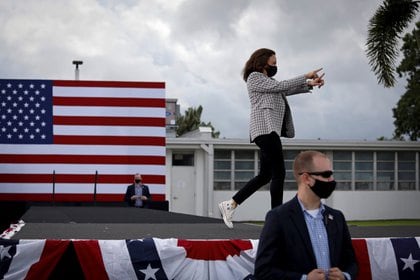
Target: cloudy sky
<point>198,48</point>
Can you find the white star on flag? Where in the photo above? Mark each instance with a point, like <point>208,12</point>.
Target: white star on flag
<point>409,262</point>
<point>149,272</point>
<point>4,252</point>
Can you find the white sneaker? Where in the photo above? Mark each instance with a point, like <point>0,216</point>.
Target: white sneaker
<point>227,210</point>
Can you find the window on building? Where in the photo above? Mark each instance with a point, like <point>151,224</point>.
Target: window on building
<point>234,168</point>
<point>244,169</point>
<point>342,165</point>
<point>363,170</point>
<point>385,171</point>
<point>183,159</point>
<point>222,169</point>
<point>289,158</point>
<point>353,170</point>
<point>406,170</point>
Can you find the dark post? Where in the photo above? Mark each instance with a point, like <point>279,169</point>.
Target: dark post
<point>76,70</point>
<point>53,194</point>
<point>94,189</point>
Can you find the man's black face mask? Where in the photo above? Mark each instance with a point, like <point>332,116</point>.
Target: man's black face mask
<point>323,189</point>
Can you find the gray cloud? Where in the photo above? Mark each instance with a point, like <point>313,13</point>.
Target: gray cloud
<point>199,48</point>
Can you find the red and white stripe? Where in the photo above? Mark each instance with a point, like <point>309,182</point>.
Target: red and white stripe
<point>116,129</point>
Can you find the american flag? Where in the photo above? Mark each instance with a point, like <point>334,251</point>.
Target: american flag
<point>73,133</point>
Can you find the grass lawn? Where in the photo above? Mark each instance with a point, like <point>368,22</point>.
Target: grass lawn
<point>370,223</point>
<point>374,223</point>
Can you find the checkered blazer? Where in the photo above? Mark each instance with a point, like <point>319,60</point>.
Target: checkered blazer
<point>269,108</point>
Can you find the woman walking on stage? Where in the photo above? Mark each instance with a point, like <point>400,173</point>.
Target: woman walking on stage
<point>270,118</point>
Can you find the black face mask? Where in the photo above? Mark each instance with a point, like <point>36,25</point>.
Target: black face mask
<point>323,189</point>
<point>137,181</point>
<point>271,70</point>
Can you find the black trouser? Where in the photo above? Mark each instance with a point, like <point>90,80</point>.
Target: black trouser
<point>271,168</point>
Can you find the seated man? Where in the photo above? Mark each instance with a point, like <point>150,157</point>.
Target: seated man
<point>137,194</point>
<point>304,238</point>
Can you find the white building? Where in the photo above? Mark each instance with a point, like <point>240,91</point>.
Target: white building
<point>376,179</point>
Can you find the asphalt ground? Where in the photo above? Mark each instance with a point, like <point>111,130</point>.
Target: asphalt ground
<point>86,222</point>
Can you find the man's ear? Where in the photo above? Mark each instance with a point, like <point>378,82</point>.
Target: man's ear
<point>306,179</point>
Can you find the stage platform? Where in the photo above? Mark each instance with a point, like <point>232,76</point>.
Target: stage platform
<point>98,222</point>
<point>80,222</point>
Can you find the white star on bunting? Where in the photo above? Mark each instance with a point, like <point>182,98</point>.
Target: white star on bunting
<point>409,262</point>
<point>149,272</point>
<point>4,252</point>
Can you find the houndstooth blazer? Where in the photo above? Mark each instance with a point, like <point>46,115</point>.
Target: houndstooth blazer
<point>269,108</point>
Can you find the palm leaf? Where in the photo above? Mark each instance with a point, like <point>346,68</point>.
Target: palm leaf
<point>385,27</point>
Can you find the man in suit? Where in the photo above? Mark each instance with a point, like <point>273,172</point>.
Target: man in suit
<point>304,238</point>
<point>137,194</point>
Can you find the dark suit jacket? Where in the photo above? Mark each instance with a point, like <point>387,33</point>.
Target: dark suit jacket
<point>285,248</point>
<point>131,191</point>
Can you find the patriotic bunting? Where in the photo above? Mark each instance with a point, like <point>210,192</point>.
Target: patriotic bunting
<point>154,258</point>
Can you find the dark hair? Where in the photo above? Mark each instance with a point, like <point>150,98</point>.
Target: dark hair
<point>257,62</point>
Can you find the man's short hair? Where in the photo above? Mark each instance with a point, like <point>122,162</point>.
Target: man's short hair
<point>304,162</point>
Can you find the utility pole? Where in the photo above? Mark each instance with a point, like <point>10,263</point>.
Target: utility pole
<point>76,71</point>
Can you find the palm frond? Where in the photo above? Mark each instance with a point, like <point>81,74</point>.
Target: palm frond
<point>385,27</point>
